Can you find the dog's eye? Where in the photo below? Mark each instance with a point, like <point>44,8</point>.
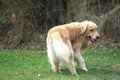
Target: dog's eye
<point>92,30</point>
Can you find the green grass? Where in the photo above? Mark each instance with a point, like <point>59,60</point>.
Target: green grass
<point>102,64</point>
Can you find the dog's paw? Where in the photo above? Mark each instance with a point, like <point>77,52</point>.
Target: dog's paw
<point>84,69</point>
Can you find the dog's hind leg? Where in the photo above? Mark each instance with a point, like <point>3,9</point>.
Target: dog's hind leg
<point>53,61</point>
<point>70,66</point>
<point>55,66</point>
<point>69,63</point>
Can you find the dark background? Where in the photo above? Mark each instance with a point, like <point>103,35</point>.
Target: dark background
<point>24,23</point>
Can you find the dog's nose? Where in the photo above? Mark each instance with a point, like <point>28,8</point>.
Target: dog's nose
<point>97,37</point>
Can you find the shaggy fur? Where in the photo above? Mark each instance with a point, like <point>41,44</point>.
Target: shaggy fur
<point>65,42</point>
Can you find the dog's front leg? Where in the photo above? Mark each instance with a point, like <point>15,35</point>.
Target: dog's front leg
<point>79,59</point>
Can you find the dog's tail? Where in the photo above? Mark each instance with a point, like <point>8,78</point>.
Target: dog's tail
<point>62,50</point>
<point>50,51</point>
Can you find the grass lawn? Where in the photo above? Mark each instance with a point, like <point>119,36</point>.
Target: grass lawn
<point>102,64</point>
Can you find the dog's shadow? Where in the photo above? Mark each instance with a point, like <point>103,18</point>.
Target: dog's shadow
<point>93,71</point>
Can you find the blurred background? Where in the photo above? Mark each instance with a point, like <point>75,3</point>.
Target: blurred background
<point>24,23</point>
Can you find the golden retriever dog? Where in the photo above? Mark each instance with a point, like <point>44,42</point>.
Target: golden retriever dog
<point>65,42</point>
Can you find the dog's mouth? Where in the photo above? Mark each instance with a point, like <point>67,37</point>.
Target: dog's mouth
<point>92,40</point>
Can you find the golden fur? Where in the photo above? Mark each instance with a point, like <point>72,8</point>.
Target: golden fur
<point>65,42</point>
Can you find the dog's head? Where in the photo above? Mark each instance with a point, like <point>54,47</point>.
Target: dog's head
<point>90,31</point>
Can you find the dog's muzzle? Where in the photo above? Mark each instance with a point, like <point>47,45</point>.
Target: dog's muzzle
<point>93,40</point>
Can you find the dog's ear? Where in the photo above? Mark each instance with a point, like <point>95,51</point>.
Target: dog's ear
<point>83,28</point>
